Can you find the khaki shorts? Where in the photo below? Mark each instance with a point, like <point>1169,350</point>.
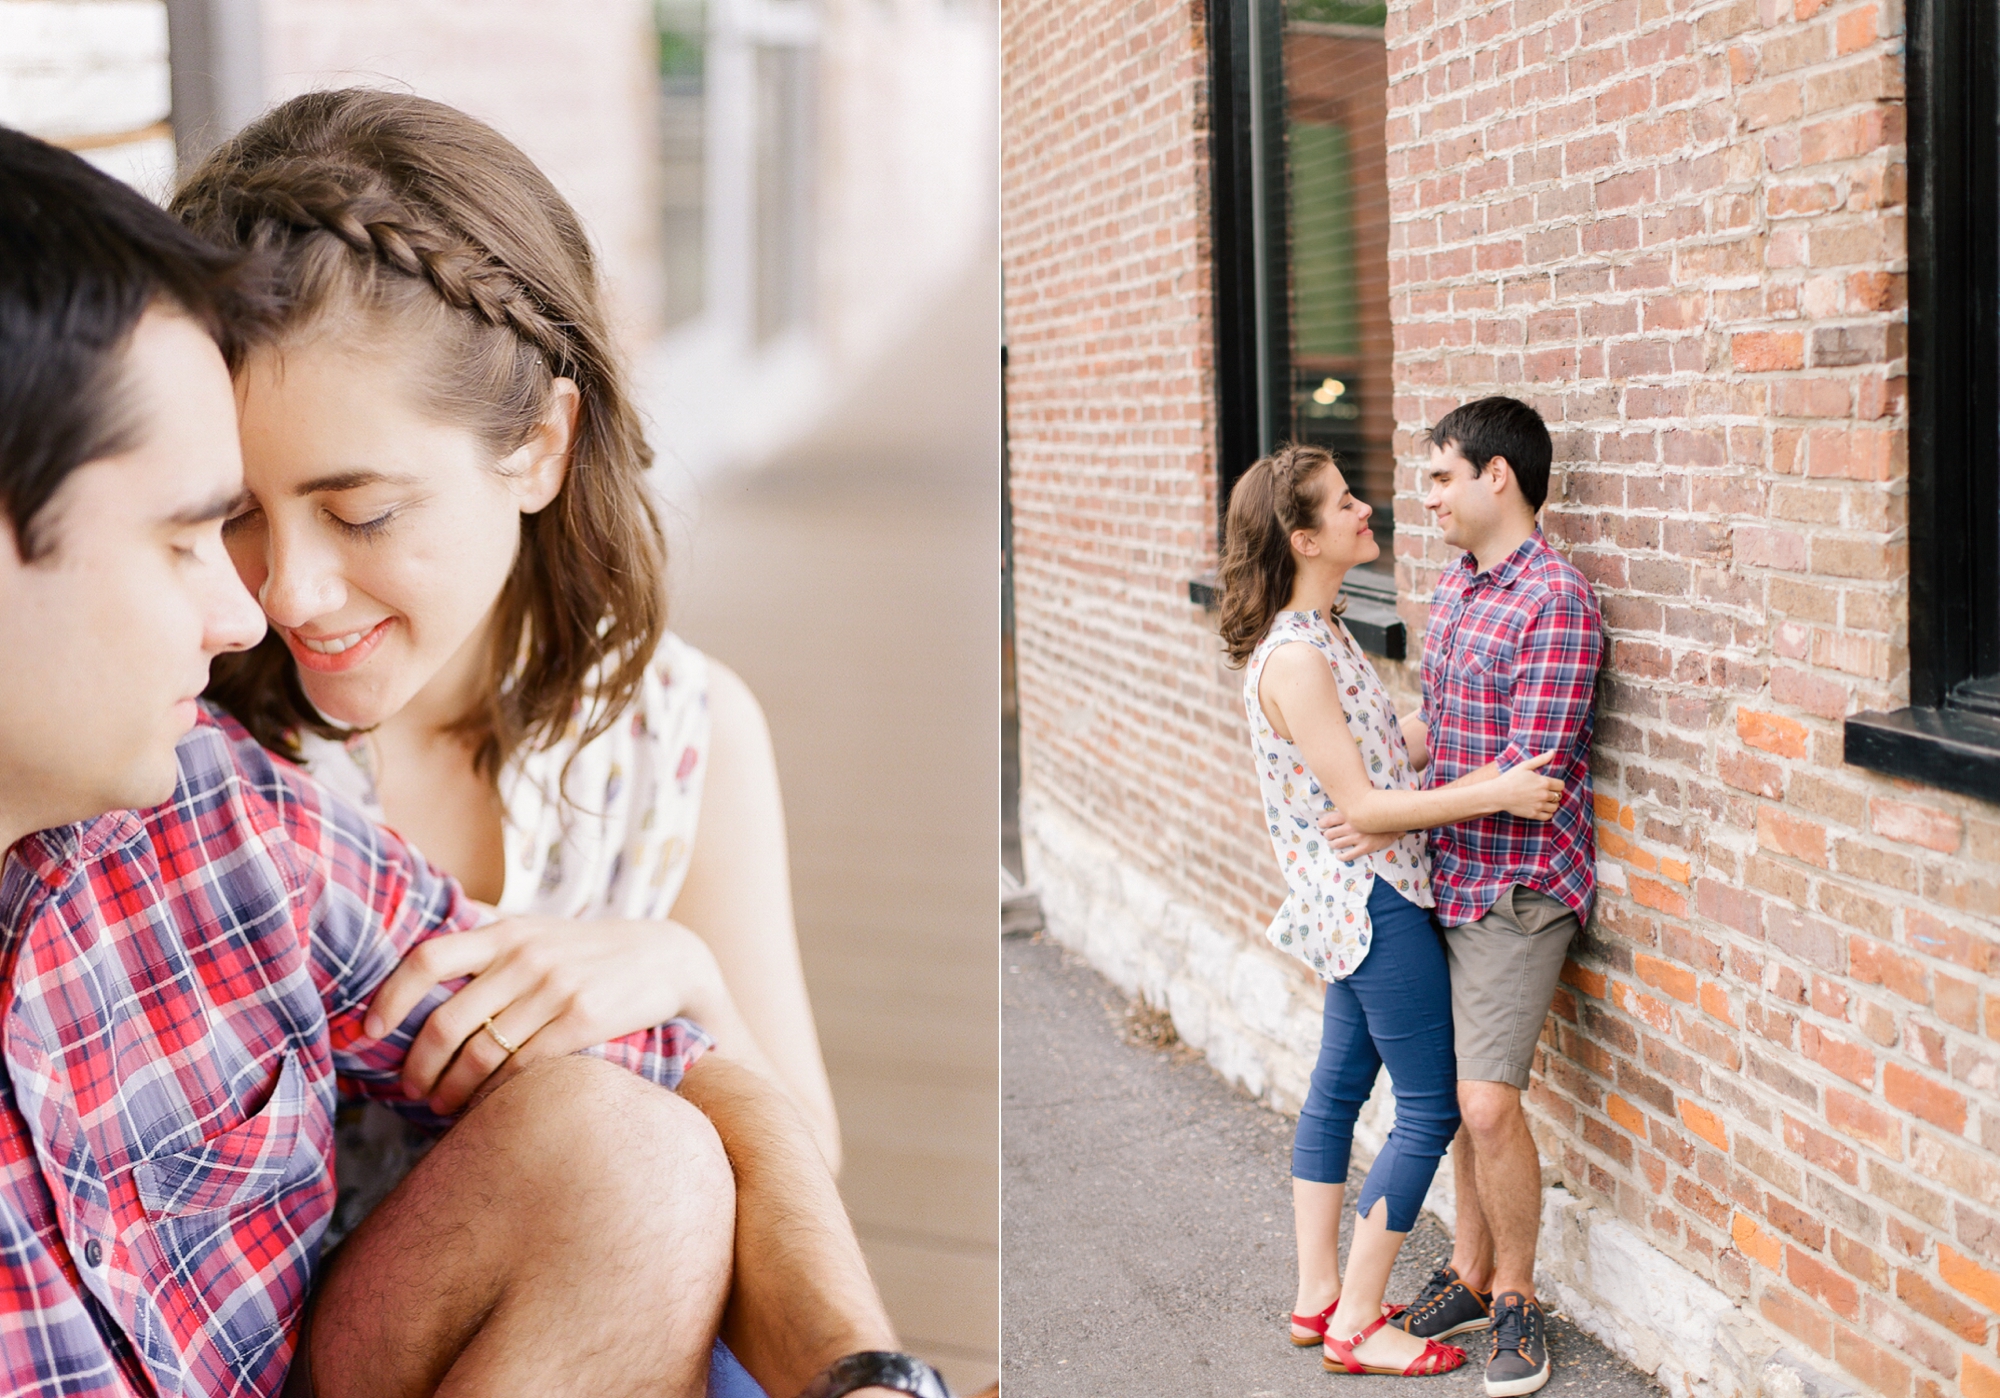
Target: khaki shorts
<point>1504,969</point>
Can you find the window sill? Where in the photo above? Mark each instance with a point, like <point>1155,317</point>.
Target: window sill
<point>1370,615</point>
<point>1946,748</point>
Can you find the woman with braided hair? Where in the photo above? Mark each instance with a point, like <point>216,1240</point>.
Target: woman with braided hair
<point>448,527</point>
<point>1324,736</point>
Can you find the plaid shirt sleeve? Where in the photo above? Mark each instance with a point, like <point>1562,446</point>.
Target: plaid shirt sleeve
<point>1555,679</point>
<point>371,900</point>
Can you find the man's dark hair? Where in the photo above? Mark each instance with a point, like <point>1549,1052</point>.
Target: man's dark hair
<point>1490,427</point>
<point>82,257</point>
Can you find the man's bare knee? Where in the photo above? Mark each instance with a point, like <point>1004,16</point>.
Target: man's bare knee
<point>1488,1110</point>
<point>600,1139</point>
<point>573,1177</point>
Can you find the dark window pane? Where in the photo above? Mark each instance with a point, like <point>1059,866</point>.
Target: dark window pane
<point>1336,82</point>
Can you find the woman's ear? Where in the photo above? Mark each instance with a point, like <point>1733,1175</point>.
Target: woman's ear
<point>1305,543</point>
<point>544,457</point>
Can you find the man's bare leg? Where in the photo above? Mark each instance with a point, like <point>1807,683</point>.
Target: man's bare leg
<point>1471,1240</point>
<point>1508,1179</point>
<point>571,1235</point>
<point>802,1296</point>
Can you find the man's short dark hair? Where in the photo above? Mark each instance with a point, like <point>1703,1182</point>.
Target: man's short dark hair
<point>82,257</point>
<point>1490,427</point>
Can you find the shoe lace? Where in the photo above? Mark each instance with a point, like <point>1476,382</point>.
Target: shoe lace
<point>1433,1293</point>
<point>1510,1326</point>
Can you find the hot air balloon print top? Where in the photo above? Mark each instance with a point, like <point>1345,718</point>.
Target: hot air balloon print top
<point>1324,921</point>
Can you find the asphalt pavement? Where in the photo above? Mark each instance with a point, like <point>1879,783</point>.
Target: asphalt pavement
<point>1146,1207</point>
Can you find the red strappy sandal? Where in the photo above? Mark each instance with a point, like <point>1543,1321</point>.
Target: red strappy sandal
<point>1436,1358</point>
<point>1317,1323</point>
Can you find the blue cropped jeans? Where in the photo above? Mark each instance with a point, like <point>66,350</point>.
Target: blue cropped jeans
<point>1395,1009</point>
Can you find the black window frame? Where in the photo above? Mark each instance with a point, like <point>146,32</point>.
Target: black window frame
<point>1252,308</point>
<point>1949,736</point>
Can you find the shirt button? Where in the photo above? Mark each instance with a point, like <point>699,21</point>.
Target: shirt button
<point>93,1253</point>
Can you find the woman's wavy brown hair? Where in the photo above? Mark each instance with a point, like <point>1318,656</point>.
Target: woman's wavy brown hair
<point>406,218</point>
<point>1280,493</point>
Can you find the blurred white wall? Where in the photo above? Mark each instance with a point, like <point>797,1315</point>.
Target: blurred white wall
<point>91,75</point>
<point>571,84</point>
<point>903,213</point>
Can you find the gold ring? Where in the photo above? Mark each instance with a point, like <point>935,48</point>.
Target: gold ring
<point>498,1037</point>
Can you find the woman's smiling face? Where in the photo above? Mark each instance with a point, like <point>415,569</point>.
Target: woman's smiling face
<point>378,537</point>
<point>1344,536</point>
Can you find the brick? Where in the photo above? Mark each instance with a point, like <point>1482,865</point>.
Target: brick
<point>1795,1222</point>
<point>1933,936</point>
<point>1704,1123</point>
<point>1590,982</point>
<point>1917,1292</point>
<point>1771,733</point>
<point>1797,1319</point>
<point>1786,834</point>
<point>1881,1371</point>
<point>1923,1096</point>
<point>1819,1281</point>
<point>1676,981</point>
<point>1876,963</point>
<point>1917,825</point>
<point>1959,1272</point>
<point>1812,940</point>
<point>1626,1115</point>
<point>1904,1192</point>
<point>1859,1261</point>
<point>1956,1002</point>
<point>1757,1245</point>
<point>1977,1379</point>
<point>1855,1117</point>
<point>1817,1148</point>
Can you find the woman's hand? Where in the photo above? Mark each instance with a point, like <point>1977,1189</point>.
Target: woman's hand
<point>550,986</point>
<point>1350,844</point>
<point>1525,792</point>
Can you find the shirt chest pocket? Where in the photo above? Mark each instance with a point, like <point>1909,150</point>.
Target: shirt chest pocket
<point>237,1218</point>
<point>1487,665</point>
<point>238,1167</point>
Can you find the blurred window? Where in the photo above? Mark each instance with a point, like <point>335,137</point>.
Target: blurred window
<point>681,30</point>
<point>786,94</point>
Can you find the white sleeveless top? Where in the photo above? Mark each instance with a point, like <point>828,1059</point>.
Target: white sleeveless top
<point>1324,922</point>
<point>618,846</point>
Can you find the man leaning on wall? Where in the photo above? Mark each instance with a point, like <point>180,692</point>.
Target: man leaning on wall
<point>1509,671</point>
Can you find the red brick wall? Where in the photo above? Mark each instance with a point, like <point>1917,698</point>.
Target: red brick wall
<point>1130,723</point>
<point>1678,230</point>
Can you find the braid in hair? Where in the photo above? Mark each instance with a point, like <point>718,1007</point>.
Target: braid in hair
<point>1278,494</point>
<point>383,215</point>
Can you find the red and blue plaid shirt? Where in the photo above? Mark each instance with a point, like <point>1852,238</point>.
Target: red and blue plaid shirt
<point>1510,672</point>
<point>179,990</point>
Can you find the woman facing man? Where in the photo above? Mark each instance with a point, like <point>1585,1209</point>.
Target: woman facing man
<point>1331,752</point>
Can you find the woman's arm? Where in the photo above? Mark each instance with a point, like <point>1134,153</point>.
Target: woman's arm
<point>1417,738</point>
<point>738,898</point>
<point>1300,693</point>
<point>728,959</point>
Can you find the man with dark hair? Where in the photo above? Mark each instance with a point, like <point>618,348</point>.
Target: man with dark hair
<point>191,932</point>
<point>1509,671</point>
